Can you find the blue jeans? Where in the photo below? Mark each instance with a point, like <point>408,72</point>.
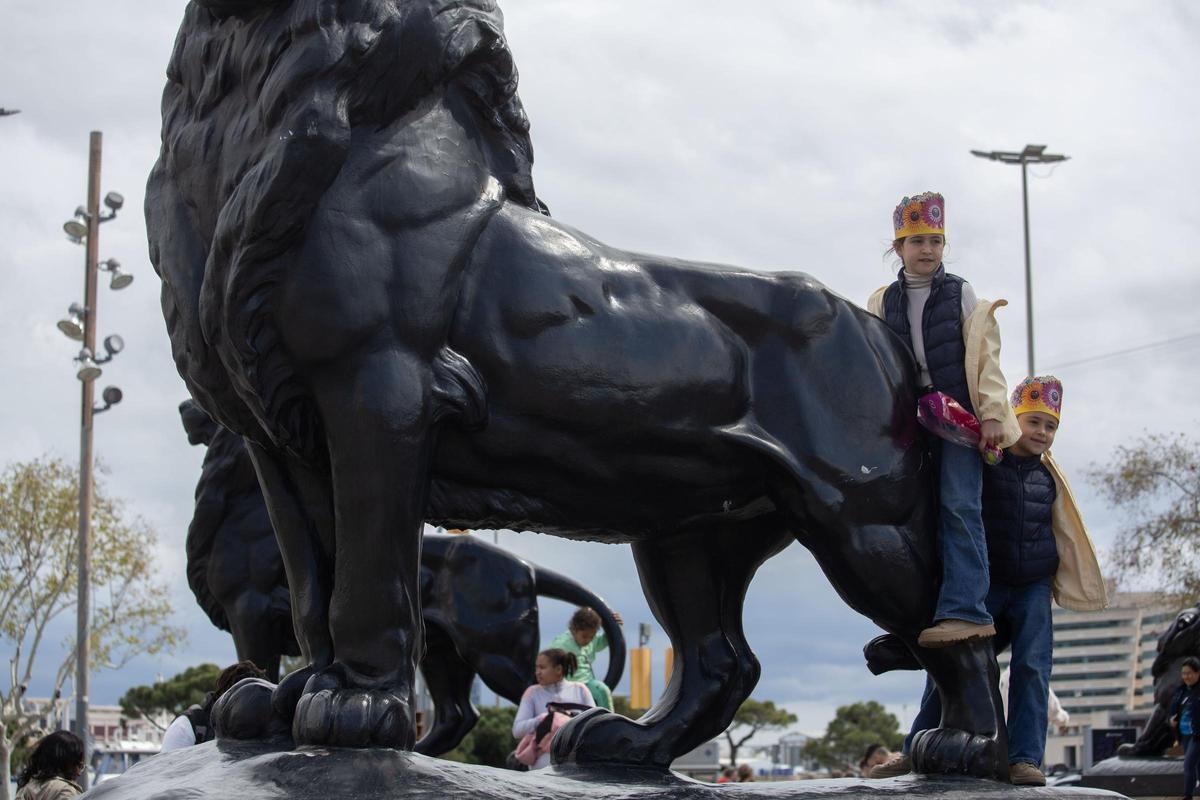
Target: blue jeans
<point>1191,767</point>
<point>1023,620</point>
<point>961,537</point>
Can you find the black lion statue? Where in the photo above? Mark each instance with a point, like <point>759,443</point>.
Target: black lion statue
<point>478,602</point>
<point>359,278</point>
<point>1180,640</point>
<point>233,564</point>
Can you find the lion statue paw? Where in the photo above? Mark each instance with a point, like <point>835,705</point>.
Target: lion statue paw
<point>245,712</point>
<point>952,751</point>
<point>598,736</point>
<point>333,711</point>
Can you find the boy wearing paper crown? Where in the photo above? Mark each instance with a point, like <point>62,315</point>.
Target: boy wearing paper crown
<point>1038,548</point>
<point>956,341</point>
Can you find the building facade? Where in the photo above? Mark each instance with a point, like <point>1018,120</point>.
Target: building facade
<point>106,724</point>
<point>1101,668</point>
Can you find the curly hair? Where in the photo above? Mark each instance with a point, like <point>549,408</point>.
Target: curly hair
<point>585,618</point>
<point>261,101</point>
<point>234,673</point>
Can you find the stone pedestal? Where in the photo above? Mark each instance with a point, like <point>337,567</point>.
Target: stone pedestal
<point>1137,777</point>
<point>256,771</point>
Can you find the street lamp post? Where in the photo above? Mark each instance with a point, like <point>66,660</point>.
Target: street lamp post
<point>80,325</point>
<point>83,618</point>
<point>1032,154</point>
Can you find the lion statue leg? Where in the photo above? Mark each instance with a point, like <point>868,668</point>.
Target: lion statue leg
<point>449,680</point>
<point>887,572</point>
<point>255,637</point>
<point>377,411</point>
<point>695,583</point>
<point>972,738</point>
<point>301,512</point>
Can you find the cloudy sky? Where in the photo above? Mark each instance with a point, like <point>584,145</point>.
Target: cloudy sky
<point>776,140</point>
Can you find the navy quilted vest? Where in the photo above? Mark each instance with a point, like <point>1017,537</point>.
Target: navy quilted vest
<point>941,324</point>
<point>1018,494</point>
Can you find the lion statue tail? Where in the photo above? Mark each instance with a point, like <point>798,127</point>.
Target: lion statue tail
<point>557,586</point>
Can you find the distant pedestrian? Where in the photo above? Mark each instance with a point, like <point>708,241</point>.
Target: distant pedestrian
<point>727,775</point>
<point>584,638</point>
<point>1185,719</point>
<point>1058,717</point>
<point>194,726</point>
<point>534,725</point>
<point>745,774</point>
<point>53,768</point>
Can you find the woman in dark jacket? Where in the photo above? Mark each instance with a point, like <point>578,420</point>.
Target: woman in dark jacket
<point>1185,718</point>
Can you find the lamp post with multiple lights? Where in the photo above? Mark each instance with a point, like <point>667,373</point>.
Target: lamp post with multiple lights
<point>1032,154</point>
<point>80,325</point>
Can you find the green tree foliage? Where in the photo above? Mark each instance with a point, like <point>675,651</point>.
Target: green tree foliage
<point>171,697</point>
<point>1155,484</point>
<point>622,707</point>
<point>39,532</point>
<point>851,731</point>
<point>490,741</point>
<point>754,717</point>
<point>289,664</point>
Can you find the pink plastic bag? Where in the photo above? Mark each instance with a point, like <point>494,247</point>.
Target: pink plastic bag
<point>527,751</point>
<point>531,747</point>
<point>945,417</point>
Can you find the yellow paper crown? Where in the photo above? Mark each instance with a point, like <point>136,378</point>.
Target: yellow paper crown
<point>1043,393</point>
<point>924,213</point>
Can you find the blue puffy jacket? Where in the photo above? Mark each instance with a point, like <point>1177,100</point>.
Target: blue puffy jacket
<point>941,328</point>
<point>1018,494</point>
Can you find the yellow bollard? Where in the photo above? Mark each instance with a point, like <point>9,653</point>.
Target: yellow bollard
<point>639,677</point>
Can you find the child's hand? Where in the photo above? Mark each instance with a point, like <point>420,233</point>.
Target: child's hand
<point>617,617</point>
<point>991,431</point>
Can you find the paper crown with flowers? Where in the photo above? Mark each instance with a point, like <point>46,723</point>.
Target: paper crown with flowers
<point>1043,393</point>
<point>922,213</point>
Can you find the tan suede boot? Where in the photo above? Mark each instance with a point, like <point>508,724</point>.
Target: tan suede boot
<point>898,765</point>
<point>953,631</point>
<point>1025,774</point>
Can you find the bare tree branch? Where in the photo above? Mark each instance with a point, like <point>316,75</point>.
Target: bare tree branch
<point>38,580</point>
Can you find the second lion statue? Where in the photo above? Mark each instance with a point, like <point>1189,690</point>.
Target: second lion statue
<point>359,278</point>
<point>479,603</point>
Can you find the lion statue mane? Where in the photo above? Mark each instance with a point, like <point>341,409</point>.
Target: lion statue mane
<point>250,171</point>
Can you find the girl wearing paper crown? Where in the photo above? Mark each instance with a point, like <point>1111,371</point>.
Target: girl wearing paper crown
<point>1038,548</point>
<point>956,341</point>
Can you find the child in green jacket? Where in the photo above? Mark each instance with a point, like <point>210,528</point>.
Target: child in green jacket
<point>584,639</point>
